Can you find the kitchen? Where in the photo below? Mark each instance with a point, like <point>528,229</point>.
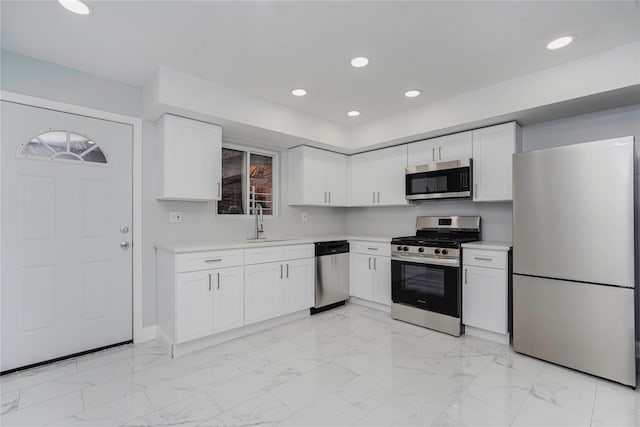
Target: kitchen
<point>609,113</point>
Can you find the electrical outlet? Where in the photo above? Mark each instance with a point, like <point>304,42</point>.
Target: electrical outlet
<point>305,216</point>
<point>175,216</point>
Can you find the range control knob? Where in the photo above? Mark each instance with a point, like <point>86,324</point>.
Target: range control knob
<point>399,248</point>
<point>444,252</point>
<point>405,248</point>
<point>437,251</point>
<point>420,249</point>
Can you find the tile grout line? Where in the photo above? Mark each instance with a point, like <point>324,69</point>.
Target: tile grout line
<point>593,408</point>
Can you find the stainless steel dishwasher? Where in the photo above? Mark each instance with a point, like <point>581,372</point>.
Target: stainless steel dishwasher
<point>332,275</point>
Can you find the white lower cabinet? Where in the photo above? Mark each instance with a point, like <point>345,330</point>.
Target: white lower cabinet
<point>194,306</point>
<point>485,280</point>
<point>248,286</point>
<point>263,289</point>
<point>280,287</point>
<point>298,285</point>
<point>371,279</point>
<point>228,299</point>
<point>208,302</point>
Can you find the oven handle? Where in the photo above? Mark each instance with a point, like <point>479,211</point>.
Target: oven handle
<point>448,262</point>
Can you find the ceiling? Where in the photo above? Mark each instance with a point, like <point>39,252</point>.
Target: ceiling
<point>267,48</point>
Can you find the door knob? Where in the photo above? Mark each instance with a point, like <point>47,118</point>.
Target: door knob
<point>124,245</point>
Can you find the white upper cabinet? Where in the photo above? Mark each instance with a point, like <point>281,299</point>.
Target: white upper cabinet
<point>364,178</point>
<point>317,177</point>
<point>190,159</point>
<point>442,149</point>
<point>493,149</point>
<point>378,177</point>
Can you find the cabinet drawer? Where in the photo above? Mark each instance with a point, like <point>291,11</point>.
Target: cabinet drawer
<point>485,258</point>
<point>299,251</point>
<point>370,248</point>
<point>207,260</point>
<point>262,255</point>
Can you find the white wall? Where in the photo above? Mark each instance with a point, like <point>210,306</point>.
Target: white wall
<point>200,224</point>
<point>41,79</point>
<point>496,217</point>
<point>29,76</point>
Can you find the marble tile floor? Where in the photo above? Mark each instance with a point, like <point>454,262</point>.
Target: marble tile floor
<point>348,366</point>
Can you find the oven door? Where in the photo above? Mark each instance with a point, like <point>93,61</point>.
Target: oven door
<point>426,286</point>
<point>439,181</point>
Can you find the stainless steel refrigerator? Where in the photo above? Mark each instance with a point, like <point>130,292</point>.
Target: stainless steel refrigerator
<point>573,257</point>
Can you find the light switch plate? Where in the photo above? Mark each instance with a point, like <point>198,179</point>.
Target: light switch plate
<point>175,216</point>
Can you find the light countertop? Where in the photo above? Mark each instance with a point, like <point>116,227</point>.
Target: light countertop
<point>182,247</point>
<point>482,244</point>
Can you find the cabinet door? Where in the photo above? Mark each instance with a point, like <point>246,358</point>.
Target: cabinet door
<point>315,169</point>
<point>190,159</point>
<point>382,280</point>
<point>194,305</point>
<point>317,177</point>
<point>493,149</point>
<point>454,147</point>
<point>422,152</point>
<point>228,298</point>
<point>297,288</point>
<point>364,178</point>
<point>262,292</point>
<point>391,179</point>
<point>484,298</point>
<point>335,174</point>
<point>362,276</point>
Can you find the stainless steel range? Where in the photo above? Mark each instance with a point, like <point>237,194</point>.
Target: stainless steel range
<point>426,272</point>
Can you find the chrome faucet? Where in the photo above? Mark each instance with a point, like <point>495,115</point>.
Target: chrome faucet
<point>259,221</point>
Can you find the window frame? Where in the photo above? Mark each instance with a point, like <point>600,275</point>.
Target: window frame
<point>275,197</point>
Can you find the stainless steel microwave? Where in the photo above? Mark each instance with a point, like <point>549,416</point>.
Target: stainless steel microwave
<point>443,180</point>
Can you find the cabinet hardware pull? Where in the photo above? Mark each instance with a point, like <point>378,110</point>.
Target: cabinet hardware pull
<point>369,263</point>
<point>373,193</point>
<point>209,281</point>
<point>433,154</point>
<point>374,263</point>
<point>465,276</point>
<point>281,271</point>
<point>329,196</point>
<point>372,249</point>
<point>482,259</point>
<point>287,270</point>
<point>213,260</point>
<point>476,190</point>
<point>325,197</point>
<point>378,197</point>
<point>218,280</point>
<point>440,153</point>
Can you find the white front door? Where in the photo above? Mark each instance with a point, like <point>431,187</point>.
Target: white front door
<point>66,234</point>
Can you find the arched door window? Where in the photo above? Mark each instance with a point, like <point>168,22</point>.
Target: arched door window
<point>62,145</point>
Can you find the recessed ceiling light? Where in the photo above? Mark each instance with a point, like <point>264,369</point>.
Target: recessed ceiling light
<point>359,62</point>
<point>560,42</point>
<point>299,92</point>
<point>353,113</point>
<point>75,6</point>
<point>412,93</point>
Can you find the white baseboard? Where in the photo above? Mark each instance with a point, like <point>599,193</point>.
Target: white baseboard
<point>145,334</point>
<point>487,335</point>
<point>370,304</point>
<point>181,349</point>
